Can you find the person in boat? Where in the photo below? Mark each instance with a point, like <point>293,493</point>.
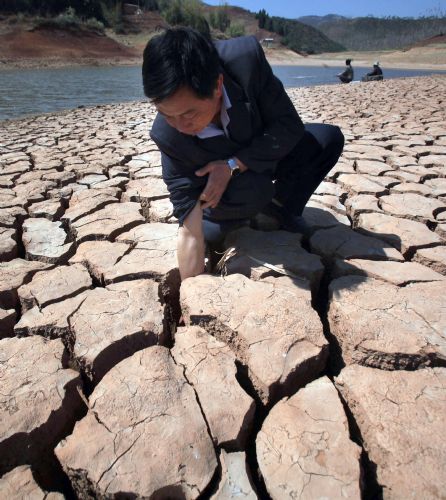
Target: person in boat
<point>375,75</point>
<point>347,75</point>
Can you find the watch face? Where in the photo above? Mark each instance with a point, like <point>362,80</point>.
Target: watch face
<point>233,167</point>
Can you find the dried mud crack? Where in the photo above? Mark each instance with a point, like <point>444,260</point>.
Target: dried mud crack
<point>310,367</point>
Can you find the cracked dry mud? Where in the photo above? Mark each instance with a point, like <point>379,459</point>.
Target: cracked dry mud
<point>310,367</point>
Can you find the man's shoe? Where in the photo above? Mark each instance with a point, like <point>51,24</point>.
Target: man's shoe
<point>287,221</point>
<point>295,224</point>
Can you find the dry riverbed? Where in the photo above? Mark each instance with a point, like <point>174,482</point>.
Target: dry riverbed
<point>313,366</point>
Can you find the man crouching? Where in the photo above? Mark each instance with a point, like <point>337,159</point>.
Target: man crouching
<point>232,144</point>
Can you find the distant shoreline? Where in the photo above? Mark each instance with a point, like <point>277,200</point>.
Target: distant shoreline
<point>56,63</point>
<point>335,63</point>
<point>422,59</point>
<point>285,58</point>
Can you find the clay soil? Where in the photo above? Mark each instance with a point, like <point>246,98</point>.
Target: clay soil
<point>57,47</point>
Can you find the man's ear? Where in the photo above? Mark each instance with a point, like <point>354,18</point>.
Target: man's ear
<point>219,87</point>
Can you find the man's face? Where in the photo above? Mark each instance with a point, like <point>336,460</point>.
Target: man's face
<point>188,113</point>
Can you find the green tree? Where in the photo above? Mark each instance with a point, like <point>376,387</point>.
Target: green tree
<point>151,5</point>
<point>262,16</point>
<point>187,13</point>
<point>236,29</point>
<point>212,19</point>
<point>111,14</point>
<point>164,5</point>
<point>222,18</point>
<point>175,14</point>
<point>269,24</point>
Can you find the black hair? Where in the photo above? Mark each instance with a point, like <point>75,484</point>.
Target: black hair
<point>179,57</point>
<point>348,62</point>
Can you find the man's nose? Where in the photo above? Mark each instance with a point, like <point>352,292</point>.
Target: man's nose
<point>183,123</point>
<point>179,123</point>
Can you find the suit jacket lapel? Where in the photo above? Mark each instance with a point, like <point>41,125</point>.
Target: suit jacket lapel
<point>240,123</point>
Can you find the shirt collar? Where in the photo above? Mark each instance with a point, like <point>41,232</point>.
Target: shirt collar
<point>213,130</point>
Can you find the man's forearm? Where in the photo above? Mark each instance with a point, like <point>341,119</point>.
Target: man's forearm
<point>191,247</point>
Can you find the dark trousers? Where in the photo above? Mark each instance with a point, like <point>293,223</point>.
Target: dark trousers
<point>296,178</point>
<point>300,173</point>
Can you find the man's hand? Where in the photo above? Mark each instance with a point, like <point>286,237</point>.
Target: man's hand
<point>219,177</point>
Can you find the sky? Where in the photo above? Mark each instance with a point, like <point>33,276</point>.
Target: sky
<point>348,8</point>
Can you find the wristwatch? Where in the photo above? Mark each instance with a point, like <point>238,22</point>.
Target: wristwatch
<point>233,167</point>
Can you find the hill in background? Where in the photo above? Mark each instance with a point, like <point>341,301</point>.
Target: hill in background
<point>130,19</point>
<point>315,21</point>
<point>228,21</point>
<point>298,36</point>
<point>372,33</point>
<point>34,33</point>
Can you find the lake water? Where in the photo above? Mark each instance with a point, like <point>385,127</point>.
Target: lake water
<point>29,92</point>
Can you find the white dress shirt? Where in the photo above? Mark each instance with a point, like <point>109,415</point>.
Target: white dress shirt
<point>213,130</point>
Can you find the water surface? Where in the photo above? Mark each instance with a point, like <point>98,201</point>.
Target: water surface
<point>306,76</point>
<point>28,92</point>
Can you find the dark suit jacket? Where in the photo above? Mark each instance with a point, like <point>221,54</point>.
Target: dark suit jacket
<point>264,126</point>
